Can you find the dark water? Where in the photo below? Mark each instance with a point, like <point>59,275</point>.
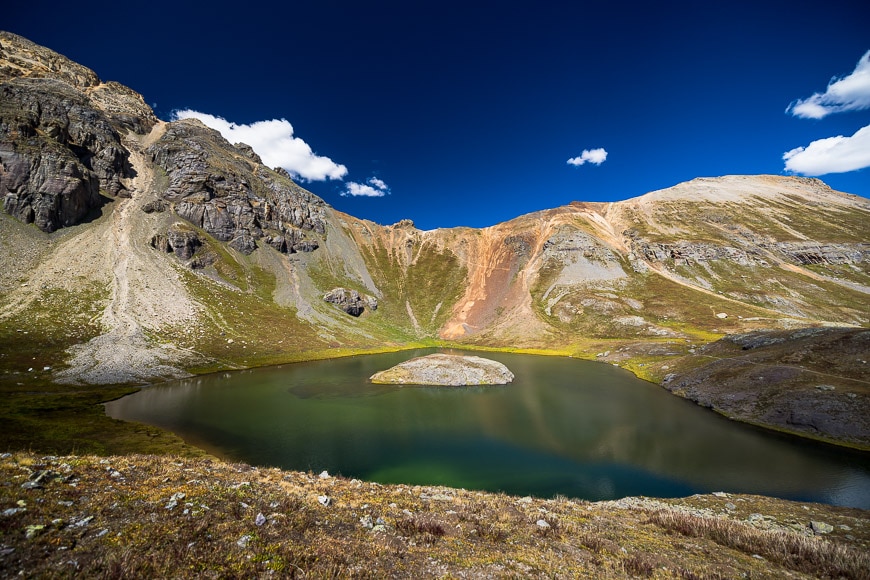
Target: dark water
<point>564,426</point>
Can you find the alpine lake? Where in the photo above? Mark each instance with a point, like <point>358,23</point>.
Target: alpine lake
<point>566,427</point>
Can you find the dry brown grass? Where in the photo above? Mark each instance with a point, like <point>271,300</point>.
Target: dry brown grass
<point>126,517</point>
<point>812,555</point>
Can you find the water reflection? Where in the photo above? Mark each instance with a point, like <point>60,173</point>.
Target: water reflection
<point>564,426</point>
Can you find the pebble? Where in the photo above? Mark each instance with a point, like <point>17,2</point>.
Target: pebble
<point>324,475</point>
<point>83,522</point>
<point>243,541</point>
<point>543,524</point>
<point>324,500</point>
<point>260,519</point>
<point>173,501</point>
<point>31,531</point>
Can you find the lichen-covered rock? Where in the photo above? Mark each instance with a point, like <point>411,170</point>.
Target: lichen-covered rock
<point>351,301</point>
<point>446,370</point>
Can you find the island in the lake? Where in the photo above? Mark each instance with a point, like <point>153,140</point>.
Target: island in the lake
<point>445,370</point>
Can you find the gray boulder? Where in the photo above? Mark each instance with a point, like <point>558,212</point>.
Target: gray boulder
<point>351,301</point>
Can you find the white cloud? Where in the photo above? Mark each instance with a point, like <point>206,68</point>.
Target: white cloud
<point>275,144</point>
<point>373,188</point>
<point>595,156</point>
<point>378,183</point>
<point>850,93</point>
<point>832,155</point>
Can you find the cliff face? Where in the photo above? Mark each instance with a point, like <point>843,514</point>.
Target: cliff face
<point>183,247</point>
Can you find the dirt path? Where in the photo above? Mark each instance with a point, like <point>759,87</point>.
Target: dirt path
<point>142,296</point>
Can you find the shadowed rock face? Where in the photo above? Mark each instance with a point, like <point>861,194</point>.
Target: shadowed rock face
<point>446,370</point>
<point>58,151</point>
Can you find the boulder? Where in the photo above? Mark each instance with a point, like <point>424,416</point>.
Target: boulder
<point>183,241</point>
<point>244,243</point>
<point>446,370</point>
<point>351,301</point>
<point>156,206</point>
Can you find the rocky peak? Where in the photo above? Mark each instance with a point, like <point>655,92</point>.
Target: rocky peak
<point>20,57</point>
<point>227,192</point>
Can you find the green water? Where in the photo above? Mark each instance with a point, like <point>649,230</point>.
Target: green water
<point>564,426</point>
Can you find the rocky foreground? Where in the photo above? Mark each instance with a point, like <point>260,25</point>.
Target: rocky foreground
<point>446,370</point>
<point>147,516</point>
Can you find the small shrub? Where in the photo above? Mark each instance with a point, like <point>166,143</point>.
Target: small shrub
<point>426,528</point>
<point>640,565</point>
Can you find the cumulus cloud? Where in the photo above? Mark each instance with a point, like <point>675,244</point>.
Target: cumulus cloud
<point>850,93</point>
<point>276,145</point>
<point>831,155</point>
<point>374,187</point>
<point>594,156</point>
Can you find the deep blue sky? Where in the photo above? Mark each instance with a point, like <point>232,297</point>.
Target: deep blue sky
<point>468,111</point>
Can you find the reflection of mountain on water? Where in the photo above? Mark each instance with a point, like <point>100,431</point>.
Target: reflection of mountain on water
<point>563,426</point>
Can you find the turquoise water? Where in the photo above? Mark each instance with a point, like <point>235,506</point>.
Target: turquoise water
<point>564,426</point>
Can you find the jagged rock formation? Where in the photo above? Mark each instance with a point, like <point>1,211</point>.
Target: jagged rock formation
<point>179,239</point>
<point>446,370</point>
<point>229,194</point>
<point>351,301</point>
<point>655,275</point>
<point>60,146</point>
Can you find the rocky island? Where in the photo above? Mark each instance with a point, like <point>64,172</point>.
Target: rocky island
<point>446,370</point>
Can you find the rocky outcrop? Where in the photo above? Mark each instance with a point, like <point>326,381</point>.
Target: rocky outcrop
<point>227,192</point>
<point>179,239</point>
<point>810,381</point>
<point>446,370</point>
<point>808,253</point>
<point>59,141</point>
<point>57,153</point>
<point>351,301</point>
<point>749,249</point>
<point>20,57</point>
